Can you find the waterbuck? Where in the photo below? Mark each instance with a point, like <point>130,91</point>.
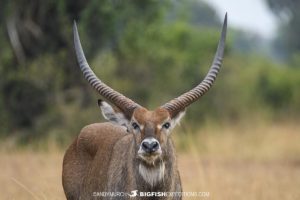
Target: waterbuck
<point>133,152</point>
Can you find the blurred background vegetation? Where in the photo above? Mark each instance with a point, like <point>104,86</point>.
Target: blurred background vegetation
<point>149,50</point>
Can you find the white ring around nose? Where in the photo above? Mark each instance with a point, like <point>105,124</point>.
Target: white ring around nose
<point>150,140</point>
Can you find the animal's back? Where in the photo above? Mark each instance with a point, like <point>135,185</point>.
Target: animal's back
<point>82,169</point>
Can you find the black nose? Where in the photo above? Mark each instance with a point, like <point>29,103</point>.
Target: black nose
<point>150,147</point>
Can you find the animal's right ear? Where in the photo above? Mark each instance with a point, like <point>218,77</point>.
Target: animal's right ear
<point>113,114</point>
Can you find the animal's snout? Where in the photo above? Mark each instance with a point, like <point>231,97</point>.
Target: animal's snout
<point>150,145</point>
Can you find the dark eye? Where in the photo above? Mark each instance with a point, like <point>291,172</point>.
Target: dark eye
<point>135,126</point>
<point>167,125</point>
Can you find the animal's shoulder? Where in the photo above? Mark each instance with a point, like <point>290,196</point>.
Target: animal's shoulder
<point>99,136</point>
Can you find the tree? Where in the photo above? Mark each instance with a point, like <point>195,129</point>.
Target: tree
<point>287,42</point>
<point>36,54</point>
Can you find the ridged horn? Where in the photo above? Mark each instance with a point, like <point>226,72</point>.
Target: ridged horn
<point>181,102</point>
<point>112,96</point>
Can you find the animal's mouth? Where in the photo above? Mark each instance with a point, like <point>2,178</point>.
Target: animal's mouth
<point>150,151</point>
<point>150,158</point>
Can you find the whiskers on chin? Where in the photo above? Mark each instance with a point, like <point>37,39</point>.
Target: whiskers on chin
<point>153,174</point>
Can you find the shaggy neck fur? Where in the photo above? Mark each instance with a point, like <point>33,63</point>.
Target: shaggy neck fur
<point>152,175</point>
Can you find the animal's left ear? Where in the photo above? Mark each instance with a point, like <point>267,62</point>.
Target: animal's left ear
<point>177,118</point>
<point>113,114</point>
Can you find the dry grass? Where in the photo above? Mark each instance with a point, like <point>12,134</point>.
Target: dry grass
<point>229,163</point>
<point>243,162</point>
<point>31,175</point>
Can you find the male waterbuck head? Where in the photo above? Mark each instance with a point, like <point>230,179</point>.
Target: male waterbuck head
<point>136,144</point>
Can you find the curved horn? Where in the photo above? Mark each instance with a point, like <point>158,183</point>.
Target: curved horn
<point>114,97</point>
<point>181,102</point>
